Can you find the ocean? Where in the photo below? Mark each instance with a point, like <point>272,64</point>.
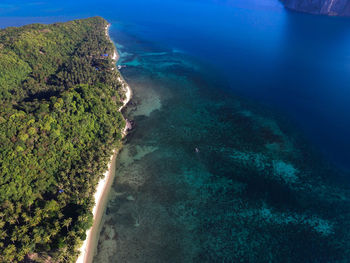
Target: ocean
<point>240,146</point>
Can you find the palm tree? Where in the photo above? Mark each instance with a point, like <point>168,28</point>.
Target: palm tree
<point>67,222</point>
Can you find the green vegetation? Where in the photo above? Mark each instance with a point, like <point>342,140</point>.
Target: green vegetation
<point>59,123</point>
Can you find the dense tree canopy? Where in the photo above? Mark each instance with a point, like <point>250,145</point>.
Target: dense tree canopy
<point>59,122</point>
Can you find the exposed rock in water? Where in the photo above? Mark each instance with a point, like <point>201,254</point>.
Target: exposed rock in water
<point>129,125</point>
<point>322,7</point>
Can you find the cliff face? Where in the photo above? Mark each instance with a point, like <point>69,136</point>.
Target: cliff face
<point>323,7</point>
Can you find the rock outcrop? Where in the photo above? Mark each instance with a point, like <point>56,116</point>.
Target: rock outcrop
<point>322,7</point>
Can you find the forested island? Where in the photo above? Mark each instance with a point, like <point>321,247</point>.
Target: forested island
<point>59,124</point>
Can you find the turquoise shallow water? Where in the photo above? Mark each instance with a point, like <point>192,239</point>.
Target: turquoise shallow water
<point>207,176</point>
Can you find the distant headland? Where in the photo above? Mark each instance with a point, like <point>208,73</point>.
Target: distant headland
<point>320,7</point>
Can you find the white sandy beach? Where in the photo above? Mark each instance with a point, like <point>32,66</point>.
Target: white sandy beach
<point>86,250</point>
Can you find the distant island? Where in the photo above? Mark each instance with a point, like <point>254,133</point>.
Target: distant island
<point>321,7</point>
<point>60,123</point>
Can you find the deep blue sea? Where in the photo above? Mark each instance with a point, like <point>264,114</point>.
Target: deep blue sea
<point>240,151</point>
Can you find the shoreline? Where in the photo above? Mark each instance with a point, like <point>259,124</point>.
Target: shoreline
<point>88,247</point>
